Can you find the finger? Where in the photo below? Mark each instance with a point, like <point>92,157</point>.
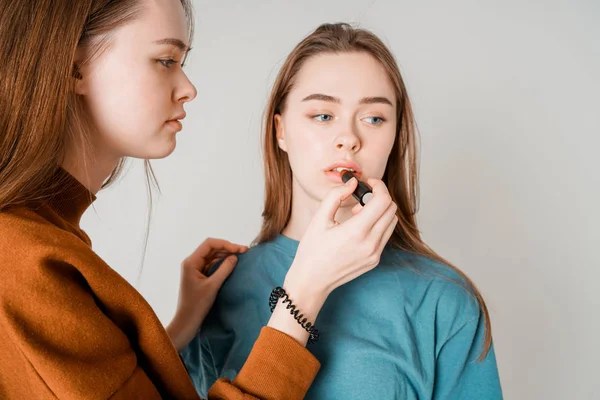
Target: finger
<point>381,245</point>
<point>204,252</point>
<point>224,270</point>
<point>206,248</point>
<point>373,210</point>
<point>210,261</point>
<point>210,265</point>
<point>387,234</point>
<point>373,181</point>
<point>357,208</point>
<point>218,254</point>
<point>224,253</point>
<point>332,202</point>
<point>381,226</point>
<point>224,245</point>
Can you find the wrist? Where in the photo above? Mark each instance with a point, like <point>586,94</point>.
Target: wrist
<point>311,292</point>
<point>308,299</point>
<point>180,331</point>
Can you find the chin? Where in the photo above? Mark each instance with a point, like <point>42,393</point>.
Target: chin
<point>160,150</point>
<point>164,153</point>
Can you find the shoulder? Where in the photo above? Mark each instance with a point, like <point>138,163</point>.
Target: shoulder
<point>23,230</point>
<point>256,257</point>
<point>438,287</point>
<point>265,249</point>
<point>34,250</point>
<point>19,220</point>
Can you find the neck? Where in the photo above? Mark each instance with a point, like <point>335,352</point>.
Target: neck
<point>304,208</point>
<point>90,168</point>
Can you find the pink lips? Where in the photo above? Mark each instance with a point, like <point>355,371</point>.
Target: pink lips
<point>336,176</point>
<point>175,123</point>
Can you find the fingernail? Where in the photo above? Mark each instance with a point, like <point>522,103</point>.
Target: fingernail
<point>349,181</point>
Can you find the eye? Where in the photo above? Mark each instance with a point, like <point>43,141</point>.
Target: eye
<point>323,117</point>
<point>374,120</point>
<point>167,63</point>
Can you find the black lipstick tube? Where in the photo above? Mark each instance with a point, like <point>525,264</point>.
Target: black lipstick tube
<point>363,192</point>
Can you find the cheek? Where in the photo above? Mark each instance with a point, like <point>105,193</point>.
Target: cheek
<point>377,152</point>
<point>306,146</point>
<point>121,103</point>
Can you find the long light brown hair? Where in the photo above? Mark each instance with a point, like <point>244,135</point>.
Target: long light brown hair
<point>40,114</point>
<point>401,171</point>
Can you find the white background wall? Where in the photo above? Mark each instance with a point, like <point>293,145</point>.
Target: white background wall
<point>506,96</point>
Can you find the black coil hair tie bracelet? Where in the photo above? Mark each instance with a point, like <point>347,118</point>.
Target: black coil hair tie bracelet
<point>280,292</point>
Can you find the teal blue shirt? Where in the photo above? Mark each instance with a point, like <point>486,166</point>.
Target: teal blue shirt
<point>405,330</point>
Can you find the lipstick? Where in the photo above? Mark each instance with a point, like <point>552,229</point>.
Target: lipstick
<point>363,192</point>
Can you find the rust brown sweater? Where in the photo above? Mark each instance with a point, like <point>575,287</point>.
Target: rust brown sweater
<point>72,328</point>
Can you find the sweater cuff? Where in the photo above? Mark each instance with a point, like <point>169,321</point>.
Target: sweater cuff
<point>277,368</point>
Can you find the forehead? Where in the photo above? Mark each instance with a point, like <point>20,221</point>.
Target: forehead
<point>158,20</point>
<point>348,76</point>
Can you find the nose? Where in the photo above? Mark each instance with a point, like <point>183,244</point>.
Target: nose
<point>185,91</point>
<point>348,141</point>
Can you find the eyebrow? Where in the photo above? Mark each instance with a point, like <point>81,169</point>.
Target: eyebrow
<point>376,100</point>
<point>174,42</point>
<point>322,97</point>
<point>364,100</point>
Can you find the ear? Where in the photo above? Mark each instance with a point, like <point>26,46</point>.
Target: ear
<point>79,74</point>
<point>280,132</point>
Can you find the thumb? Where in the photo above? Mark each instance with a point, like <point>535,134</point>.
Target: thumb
<point>224,270</point>
<point>331,203</point>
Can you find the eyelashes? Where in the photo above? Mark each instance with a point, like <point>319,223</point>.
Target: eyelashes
<point>375,121</point>
<point>322,117</point>
<point>168,62</point>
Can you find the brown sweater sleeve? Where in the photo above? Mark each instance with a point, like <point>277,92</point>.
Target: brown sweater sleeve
<point>277,368</point>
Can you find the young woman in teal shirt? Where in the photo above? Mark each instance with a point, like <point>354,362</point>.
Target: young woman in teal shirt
<point>415,327</point>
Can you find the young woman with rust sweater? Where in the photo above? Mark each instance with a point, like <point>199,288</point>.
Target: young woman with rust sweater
<point>83,85</point>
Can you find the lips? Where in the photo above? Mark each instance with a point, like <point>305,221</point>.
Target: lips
<point>179,117</point>
<point>175,122</point>
<point>335,171</point>
<point>175,125</point>
<point>342,166</point>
